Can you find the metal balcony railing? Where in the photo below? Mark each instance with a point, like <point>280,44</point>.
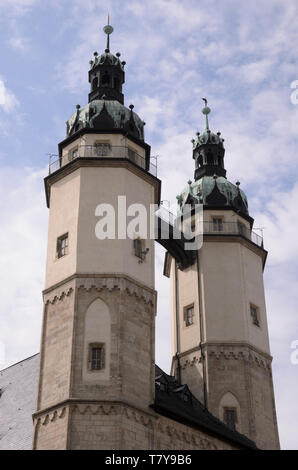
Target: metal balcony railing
<point>101,151</point>
<point>232,228</point>
<point>215,227</point>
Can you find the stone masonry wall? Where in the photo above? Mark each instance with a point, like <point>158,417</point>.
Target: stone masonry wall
<point>132,362</point>
<point>114,426</point>
<point>246,373</point>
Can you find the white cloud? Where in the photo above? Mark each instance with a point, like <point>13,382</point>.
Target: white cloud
<point>17,7</point>
<point>279,218</point>
<point>251,72</point>
<point>243,59</point>
<point>255,72</point>
<point>19,43</point>
<point>8,100</point>
<point>22,260</point>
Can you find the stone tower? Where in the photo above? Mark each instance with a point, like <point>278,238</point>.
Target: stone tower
<point>220,341</point>
<point>97,346</point>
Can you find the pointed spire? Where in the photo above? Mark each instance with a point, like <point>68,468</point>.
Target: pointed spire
<point>106,74</point>
<point>108,29</point>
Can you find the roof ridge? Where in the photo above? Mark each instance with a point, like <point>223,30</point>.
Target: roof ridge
<point>19,362</point>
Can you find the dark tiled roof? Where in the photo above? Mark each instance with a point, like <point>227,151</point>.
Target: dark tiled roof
<point>18,388</point>
<point>178,403</point>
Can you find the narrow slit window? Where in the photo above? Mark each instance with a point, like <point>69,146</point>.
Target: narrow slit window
<point>94,83</point>
<point>116,82</point>
<point>62,245</point>
<point>138,245</point>
<point>254,315</point>
<point>189,315</point>
<point>105,79</point>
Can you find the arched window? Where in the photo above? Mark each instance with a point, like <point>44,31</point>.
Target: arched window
<point>209,158</point>
<point>94,83</point>
<point>116,83</point>
<point>105,79</point>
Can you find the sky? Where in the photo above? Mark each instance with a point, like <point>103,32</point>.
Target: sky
<point>241,55</point>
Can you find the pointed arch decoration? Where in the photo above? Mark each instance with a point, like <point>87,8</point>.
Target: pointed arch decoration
<point>229,401</point>
<point>97,333</point>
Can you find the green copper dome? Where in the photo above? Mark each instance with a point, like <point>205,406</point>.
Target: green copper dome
<point>213,191</point>
<point>106,115</point>
<point>211,187</point>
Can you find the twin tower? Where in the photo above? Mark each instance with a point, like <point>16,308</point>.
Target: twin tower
<point>97,365</point>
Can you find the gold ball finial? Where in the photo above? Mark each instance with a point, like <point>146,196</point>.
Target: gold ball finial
<point>108,29</point>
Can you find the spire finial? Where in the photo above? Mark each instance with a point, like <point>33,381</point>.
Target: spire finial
<point>206,110</point>
<point>108,29</point>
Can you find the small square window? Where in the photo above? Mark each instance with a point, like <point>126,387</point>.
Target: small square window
<point>189,314</point>
<point>62,245</point>
<point>217,223</point>
<point>230,417</point>
<point>102,149</point>
<point>254,312</point>
<point>96,356</point>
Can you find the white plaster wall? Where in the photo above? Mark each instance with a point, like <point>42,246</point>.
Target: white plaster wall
<point>73,201</point>
<point>188,294</point>
<point>232,278</point>
<point>103,185</point>
<point>255,294</point>
<point>63,218</point>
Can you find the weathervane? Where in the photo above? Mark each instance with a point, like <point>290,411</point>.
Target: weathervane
<point>206,110</point>
<point>108,29</point>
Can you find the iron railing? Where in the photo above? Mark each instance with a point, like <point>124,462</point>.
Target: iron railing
<point>232,228</point>
<point>101,151</point>
<point>216,227</point>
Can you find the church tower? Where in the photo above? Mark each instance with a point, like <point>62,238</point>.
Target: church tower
<point>220,341</point>
<point>98,337</point>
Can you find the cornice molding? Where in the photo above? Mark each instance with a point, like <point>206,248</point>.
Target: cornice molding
<point>92,162</point>
<point>226,351</point>
<point>188,436</point>
<point>154,422</point>
<point>99,282</point>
